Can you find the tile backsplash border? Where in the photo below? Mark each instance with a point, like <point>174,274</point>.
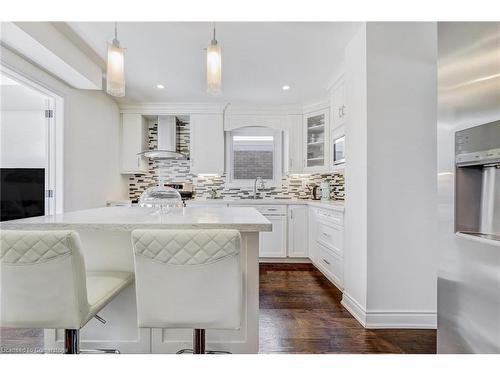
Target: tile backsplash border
<point>178,171</point>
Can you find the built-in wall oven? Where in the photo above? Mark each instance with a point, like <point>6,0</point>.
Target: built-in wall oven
<point>339,150</point>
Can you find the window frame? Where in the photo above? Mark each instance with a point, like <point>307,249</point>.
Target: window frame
<point>277,156</point>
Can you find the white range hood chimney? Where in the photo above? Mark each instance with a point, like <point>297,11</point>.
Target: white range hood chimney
<point>167,140</point>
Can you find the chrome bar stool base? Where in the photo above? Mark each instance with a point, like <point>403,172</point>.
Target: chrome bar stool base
<point>199,345</point>
<point>72,344</point>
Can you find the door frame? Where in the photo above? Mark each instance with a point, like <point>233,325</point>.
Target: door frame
<point>55,139</point>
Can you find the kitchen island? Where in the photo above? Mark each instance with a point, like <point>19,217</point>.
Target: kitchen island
<point>107,245</point>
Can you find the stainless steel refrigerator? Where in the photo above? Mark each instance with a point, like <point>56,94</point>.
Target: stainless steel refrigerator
<point>469,187</point>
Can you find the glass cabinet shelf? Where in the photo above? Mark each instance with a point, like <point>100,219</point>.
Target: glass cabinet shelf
<point>315,132</point>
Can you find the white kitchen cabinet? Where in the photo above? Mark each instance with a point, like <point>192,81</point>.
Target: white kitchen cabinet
<point>326,247</point>
<point>207,144</point>
<point>331,236</point>
<point>338,104</point>
<point>331,264</point>
<point>297,231</point>
<point>273,244</point>
<point>295,148</point>
<point>312,234</point>
<point>315,141</point>
<point>134,139</point>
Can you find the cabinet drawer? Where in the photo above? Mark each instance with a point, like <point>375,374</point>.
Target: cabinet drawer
<point>331,236</point>
<point>272,209</point>
<point>331,264</point>
<point>334,217</point>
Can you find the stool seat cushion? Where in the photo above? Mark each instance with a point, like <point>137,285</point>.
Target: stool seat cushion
<point>103,286</point>
<point>44,283</point>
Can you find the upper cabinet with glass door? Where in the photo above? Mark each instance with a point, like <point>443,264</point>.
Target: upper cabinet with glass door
<point>316,143</point>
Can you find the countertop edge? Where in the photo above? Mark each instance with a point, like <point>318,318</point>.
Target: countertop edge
<point>130,227</point>
<point>330,205</point>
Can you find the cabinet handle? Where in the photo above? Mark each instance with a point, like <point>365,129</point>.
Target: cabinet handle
<point>326,234</point>
<point>291,214</point>
<point>272,209</point>
<point>340,112</point>
<point>327,262</point>
<point>138,161</point>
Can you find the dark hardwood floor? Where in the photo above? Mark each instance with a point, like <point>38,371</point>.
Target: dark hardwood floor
<point>300,312</point>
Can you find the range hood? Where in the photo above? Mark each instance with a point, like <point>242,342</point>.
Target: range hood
<point>167,141</point>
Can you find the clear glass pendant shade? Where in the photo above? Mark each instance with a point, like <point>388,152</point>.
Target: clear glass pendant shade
<point>115,72</point>
<point>214,68</point>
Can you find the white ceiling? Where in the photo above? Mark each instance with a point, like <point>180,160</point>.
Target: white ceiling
<point>258,58</point>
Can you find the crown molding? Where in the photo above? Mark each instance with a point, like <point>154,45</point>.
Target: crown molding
<point>334,78</point>
<point>264,109</point>
<point>315,106</point>
<point>173,108</point>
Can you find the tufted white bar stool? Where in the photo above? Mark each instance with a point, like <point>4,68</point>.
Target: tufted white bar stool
<point>43,284</point>
<point>188,279</point>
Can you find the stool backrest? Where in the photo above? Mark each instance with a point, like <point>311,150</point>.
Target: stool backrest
<point>42,280</point>
<point>188,278</point>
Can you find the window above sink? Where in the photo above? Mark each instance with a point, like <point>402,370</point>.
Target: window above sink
<point>253,152</point>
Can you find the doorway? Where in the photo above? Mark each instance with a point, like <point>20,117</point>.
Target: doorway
<point>31,148</point>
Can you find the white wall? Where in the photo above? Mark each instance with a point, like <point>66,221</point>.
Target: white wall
<point>391,175</point>
<point>402,187</point>
<point>355,232</point>
<point>91,139</point>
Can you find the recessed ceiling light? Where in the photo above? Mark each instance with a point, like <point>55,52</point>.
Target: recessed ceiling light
<point>285,88</point>
<point>160,87</point>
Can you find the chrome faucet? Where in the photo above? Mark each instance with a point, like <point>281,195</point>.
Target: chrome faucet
<point>262,185</point>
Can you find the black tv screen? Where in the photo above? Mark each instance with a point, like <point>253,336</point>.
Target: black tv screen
<point>22,192</point>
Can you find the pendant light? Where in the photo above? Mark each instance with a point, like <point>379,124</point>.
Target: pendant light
<point>115,72</point>
<point>214,66</point>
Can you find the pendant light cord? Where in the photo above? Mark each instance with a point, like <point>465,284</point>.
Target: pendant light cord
<point>116,31</point>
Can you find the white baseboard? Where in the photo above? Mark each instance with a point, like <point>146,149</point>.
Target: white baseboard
<point>356,310</point>
<point>401,319</point>
<point>389,319</point>
<point>284,260</point>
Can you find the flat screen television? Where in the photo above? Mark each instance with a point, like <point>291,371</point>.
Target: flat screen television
<point>22,193</point>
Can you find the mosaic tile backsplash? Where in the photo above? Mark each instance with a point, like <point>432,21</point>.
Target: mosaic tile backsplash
<point>177,171</point>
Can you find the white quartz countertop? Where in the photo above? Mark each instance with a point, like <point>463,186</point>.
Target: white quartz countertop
<point>244,219</point>
<point>333,205</point>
